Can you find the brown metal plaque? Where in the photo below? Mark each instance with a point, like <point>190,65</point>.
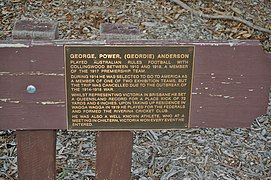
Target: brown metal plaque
<point>128,87</point>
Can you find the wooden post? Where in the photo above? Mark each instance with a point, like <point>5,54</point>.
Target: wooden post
<point>36,154</point>
<point>38,30</point>
<point>36,149</point>
<point>114,149</point>
<point>114,155</point>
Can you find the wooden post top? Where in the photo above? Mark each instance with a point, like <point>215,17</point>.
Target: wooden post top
<point>30,29</point>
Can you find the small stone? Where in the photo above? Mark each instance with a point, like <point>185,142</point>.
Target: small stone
<point>143,178</point>
<point>86,30</point>
<point>149,24</point>
<point>263,132</point>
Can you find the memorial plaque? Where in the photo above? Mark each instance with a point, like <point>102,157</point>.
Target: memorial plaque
<point>128,87</point>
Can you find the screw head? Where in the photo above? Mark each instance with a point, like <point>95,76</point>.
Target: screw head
<point>31,89</point>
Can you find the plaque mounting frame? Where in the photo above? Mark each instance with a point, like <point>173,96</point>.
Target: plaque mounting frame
<point>130,46</point>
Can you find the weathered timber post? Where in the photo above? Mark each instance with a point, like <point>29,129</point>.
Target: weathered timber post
<point>36,148</point>
<point>36,151</point>
<point>114,149</point>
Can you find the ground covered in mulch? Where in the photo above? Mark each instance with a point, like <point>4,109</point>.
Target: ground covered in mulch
<point>184,154</point>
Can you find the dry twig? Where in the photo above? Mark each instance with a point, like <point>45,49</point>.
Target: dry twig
<point>233,18</point>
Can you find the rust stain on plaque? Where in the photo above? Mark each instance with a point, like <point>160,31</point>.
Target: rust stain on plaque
<point>128,87</point>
